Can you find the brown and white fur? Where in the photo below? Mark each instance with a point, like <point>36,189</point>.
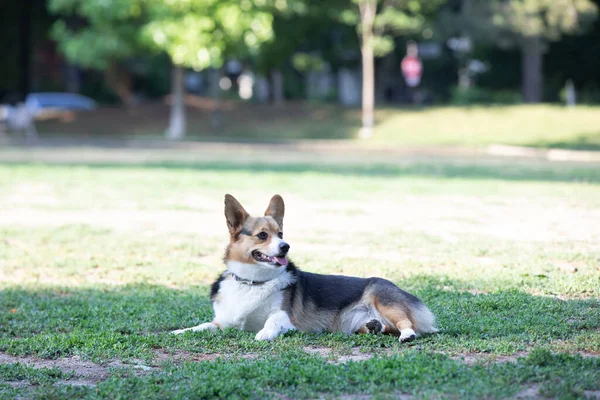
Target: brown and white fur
<point>262,291</point>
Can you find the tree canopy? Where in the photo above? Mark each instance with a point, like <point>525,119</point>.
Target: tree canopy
<point>195,34</point>
<point>92,33</point>
<point>199,34</point>
<point>548,19</point>
<point>392,18</point>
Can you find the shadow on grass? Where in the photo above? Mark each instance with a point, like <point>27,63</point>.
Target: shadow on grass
<point>588,141</point>
<point>132,322</point>
<point>240,121</point>
<point>434,168</point>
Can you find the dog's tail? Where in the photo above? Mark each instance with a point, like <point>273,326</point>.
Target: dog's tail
<point>423,319</point>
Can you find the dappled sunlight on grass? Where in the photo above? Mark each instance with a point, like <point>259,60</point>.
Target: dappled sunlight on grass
<point>84,225</point>
<point>101,261</point>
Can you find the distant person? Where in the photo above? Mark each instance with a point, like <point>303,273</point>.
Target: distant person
<point>412,69</point>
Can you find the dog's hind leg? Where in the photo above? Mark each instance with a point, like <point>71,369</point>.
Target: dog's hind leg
<point>404,314</point>
<point>400,321</point>
<point>374,326</point>
<point>407,334</point>
<point>202,327</point>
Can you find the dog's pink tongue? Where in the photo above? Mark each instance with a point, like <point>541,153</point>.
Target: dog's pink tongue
<point>282,261</point>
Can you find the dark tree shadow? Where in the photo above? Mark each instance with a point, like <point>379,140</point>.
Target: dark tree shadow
<point>432,168</point>
<point>131,321</point>
<point>586,141</point>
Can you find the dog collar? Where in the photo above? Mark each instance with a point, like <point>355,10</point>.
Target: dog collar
<point>249,282</point>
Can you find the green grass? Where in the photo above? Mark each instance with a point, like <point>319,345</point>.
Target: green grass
<point>99,261</point>
<point>544,126</point>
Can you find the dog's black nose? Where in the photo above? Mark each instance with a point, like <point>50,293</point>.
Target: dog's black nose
<point>284,247</point>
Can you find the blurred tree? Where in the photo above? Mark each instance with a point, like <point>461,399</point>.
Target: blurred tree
<point>378,21</point>
<point>528,24</point>
<point>305,30</point>
<point>196,34</point>
<point>95,34</point>
<point>576,57</point>
<point>201,34</point>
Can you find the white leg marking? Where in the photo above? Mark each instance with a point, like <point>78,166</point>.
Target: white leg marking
<point>277,324</point>
<point>406,335</point>
<point>202,327</point>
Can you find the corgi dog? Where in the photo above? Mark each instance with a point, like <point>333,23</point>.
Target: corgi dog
<point>263,291</point>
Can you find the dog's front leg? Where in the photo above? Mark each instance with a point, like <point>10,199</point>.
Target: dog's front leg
<point>202,327</point>
<point>277,324</point>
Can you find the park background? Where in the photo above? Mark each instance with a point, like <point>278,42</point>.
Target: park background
<point>124,122</point>
<point>226,64</point>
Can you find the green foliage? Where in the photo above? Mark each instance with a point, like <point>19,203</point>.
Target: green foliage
<point>107,33</point>
<point>196,34</point>
<point>303,32</point>
<point>307,62</point>
<point>477,95</point>
<point>393,18</point>
<point>543,18</point>
<point>201,34</point>
<point>509,22</point>
<point>589,94</point>
<point>398,21</point>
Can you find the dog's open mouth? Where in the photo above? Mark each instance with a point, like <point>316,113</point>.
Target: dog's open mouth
<point>275,260</point>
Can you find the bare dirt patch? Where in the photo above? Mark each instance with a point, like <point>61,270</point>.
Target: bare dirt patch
<point>322,351</point>
<point>335,358</point>
<point>486,358</point>
<point>588,354</point>
<point>469,358</point>
<point>393,395</point>
<point>85,373</point>
<point>592,394</point>
<point>531,392</point>
<point>178,356</point>
<point>18,384</point>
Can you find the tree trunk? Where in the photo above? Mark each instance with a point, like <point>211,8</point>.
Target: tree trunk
<point>368,9</point>
<point>119,80</point>
<point>277,85</point>
<point>216,117</point>
<point>533,72</point>
<point>177,122</point>
<point>73,81</point>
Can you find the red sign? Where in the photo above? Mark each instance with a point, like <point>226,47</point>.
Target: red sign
<point>412,69</point>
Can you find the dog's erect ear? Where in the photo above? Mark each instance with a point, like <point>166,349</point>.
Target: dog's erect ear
<point>276,210</point>
<point>234,214</point>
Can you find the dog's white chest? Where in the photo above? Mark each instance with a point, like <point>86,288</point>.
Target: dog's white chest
<point>246,306</point>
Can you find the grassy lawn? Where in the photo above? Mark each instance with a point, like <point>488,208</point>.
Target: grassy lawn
<point>544,126</point>
<point>100,260</point>
<point>538,126</point>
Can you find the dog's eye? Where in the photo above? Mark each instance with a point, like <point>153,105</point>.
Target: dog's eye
<point>262,236</point>
<point>280,234</point>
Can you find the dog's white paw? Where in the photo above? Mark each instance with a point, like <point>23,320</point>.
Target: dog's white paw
<point>267,334</point>
<point>407,335</point>
<point>201,327</point>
